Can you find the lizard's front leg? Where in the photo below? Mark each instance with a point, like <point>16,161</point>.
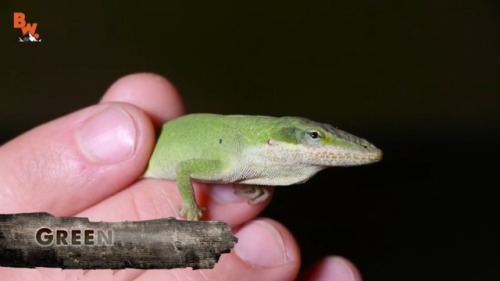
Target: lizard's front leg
<point>186,170</point>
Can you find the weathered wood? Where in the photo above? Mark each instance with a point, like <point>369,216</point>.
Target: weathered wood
<point>42,240</point>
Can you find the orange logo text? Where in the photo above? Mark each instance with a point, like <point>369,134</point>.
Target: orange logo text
<point>20,22</point>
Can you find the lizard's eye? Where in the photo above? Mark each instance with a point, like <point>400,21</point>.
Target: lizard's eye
<point>314,135</point>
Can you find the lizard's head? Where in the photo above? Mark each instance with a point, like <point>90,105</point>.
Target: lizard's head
<point>324,145</point>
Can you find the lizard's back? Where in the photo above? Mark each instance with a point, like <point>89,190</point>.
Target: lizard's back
<point>206,136</point>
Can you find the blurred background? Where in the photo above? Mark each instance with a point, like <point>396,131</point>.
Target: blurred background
<point>420,79</point>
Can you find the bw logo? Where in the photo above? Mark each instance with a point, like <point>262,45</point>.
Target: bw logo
<point>28,29</point>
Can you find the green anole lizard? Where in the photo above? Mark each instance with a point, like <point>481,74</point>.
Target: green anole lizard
<point>255,151</point>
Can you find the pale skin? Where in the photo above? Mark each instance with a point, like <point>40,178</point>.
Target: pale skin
<point>87,164</point>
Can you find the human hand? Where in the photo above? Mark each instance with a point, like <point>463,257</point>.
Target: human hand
<point>87,164</point>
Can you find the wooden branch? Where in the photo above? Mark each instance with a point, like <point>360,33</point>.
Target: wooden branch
<point>42,240</point>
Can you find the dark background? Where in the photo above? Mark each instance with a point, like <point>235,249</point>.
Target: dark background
<point>420,79</point>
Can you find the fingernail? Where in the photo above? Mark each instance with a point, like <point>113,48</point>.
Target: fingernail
<point>224,194</point>
<point>260,244</point>
<point>108,137</point>
<point>338,269</point>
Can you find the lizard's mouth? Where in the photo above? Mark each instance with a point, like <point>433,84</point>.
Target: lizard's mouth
<point>344,157</point>
<point>376,155</point>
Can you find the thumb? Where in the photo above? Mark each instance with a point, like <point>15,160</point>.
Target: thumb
<point>71,163</point>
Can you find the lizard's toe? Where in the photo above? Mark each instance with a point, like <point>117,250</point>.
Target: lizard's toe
<point>192,213</point>
<point>254,193</point>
